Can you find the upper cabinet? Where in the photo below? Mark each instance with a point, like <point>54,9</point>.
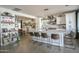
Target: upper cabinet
<point>71,21</point>
<point>61,20</point>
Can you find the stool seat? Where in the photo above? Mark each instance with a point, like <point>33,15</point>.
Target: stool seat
<point>44,35</point>
<point>36,34</point>
<point>31,33</point>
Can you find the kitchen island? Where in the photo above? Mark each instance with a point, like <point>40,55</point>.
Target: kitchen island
<point>55,37</point>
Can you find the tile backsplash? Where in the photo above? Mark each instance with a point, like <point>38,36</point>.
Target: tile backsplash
<point>61,26</point>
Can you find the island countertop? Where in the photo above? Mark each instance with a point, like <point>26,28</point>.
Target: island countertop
<point>49,31</point>
<point>57,42</point>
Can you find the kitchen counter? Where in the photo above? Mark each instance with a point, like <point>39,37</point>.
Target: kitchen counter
<point>49,31</point>
<point>52,35</point>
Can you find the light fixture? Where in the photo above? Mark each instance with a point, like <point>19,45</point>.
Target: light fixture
<point>46,9</point>
<point>16,9</point>
<point>66,5</point>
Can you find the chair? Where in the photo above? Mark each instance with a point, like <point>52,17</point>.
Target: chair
<point>70,40</point>
<point>45,37</point>
<point>31,33</point>
<point>55,38</point>
<point>37,36</point>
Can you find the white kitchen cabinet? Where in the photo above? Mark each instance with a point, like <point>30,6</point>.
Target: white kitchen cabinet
<point>61,20</point>
<point>70,22</point>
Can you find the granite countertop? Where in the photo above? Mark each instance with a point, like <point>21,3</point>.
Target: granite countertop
<point>49,31</point>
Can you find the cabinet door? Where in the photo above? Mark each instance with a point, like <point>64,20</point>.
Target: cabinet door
<point>61,20</point>
<point>71,22</point>
<point>58,20</point>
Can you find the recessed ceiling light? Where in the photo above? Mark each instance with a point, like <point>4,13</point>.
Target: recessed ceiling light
<point>46,9</point>
<point>66,5</point>
<point>16,9</point>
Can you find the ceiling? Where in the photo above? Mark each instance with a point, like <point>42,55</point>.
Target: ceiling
<point>38,10</point>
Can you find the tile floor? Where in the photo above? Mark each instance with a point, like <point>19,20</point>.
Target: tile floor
<point>26,45</point>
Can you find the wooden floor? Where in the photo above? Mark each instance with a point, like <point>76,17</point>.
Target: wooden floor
<point>26,45</point>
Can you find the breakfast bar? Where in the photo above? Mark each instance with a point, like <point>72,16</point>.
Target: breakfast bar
<point>53,37</point>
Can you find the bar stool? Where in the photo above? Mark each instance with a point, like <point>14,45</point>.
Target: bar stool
<point>33,37</point>
<point>37,36</point>
<point>31,34</point>
<point>44,37</point>
<point>70,40</point>
<point>55,39</point>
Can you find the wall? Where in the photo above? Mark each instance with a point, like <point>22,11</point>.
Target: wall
<point>46,25</point>
<point>78,22</point>
<point>60,21</point>
<point>16,13</point>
